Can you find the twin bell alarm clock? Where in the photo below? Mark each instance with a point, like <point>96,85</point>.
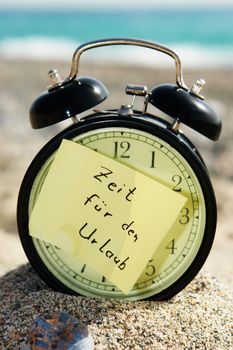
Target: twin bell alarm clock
<point>120,203</point>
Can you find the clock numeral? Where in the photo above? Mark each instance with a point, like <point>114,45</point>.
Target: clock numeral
<point>103,279</point>
<point>177,179</point>
<point>150,268</point>
<point>121,150</point>
<point>184,219</point>
<point>83,268</point>
<point>152,165</point>
<point>171,246</point>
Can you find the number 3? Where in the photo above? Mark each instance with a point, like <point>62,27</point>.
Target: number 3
<point>184,216</point>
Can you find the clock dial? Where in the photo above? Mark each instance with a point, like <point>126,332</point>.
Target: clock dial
<point>156,158</point>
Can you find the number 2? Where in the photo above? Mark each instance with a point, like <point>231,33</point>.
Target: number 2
<point>177,179</point>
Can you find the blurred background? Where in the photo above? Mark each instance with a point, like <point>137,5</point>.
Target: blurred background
<point>38,35</point>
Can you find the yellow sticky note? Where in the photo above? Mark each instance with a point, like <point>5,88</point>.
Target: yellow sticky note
<point>108,215</point>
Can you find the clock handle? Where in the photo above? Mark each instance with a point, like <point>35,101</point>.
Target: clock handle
<point>124,41</point>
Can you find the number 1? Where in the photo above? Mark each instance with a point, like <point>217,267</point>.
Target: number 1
<point>152,159</point>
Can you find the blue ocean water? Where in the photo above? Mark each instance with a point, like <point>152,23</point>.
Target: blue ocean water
<point>201,36</point>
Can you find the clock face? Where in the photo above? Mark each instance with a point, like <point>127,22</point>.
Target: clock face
<point>156,158</point>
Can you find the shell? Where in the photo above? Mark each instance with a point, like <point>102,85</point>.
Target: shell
<point>60,331</point>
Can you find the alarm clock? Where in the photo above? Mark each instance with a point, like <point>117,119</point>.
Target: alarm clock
<point>151,145</point>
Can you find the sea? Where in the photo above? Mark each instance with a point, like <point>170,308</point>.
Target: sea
<point>201,37</point>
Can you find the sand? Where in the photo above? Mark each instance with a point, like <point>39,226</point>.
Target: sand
<point>200,316</point>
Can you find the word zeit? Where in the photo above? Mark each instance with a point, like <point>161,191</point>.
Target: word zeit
<point>99,205</point>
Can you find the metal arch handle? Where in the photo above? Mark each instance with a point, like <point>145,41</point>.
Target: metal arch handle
<point>125,41</point>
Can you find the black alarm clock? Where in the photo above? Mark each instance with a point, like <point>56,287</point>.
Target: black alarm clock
<point>139,140</point>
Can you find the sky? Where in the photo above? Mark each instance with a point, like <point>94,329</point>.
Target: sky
<point>109,4</point>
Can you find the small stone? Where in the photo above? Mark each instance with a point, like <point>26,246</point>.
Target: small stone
<point>60,331</point>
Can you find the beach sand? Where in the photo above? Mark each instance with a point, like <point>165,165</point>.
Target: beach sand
<point>199,317</point>
<point>21,83</point>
